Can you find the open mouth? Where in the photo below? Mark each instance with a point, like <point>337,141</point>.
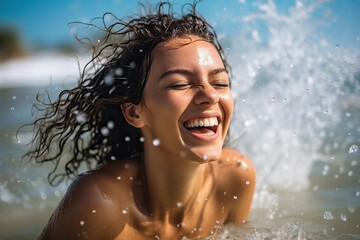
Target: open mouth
<point>203,126</point>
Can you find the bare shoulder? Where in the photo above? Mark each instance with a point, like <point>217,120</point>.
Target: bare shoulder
<point>235,183</point>
<point>236,166</point>
<point>93,204</point>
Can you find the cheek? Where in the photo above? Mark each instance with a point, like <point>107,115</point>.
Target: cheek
<point>227,103</point>
<point>169,104</point>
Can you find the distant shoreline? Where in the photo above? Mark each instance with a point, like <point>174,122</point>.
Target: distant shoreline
<point>41,69</point>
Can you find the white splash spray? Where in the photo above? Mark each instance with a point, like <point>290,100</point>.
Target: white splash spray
<point>289,84</point>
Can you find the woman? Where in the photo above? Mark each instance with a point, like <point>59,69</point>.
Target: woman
<point>153,114</point>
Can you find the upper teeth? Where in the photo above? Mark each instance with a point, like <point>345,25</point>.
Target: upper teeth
<point>204,122</point>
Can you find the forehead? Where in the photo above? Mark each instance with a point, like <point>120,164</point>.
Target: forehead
<point>187,49</point>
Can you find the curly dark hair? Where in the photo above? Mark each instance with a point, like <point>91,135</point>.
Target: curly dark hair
<point>85,125</point>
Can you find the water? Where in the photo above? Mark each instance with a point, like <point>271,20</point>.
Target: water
<point>297,117</point>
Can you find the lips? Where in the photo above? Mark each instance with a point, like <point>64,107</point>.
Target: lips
<point>202,126</point>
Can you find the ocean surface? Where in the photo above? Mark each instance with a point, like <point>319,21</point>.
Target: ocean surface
<point>297,116</point>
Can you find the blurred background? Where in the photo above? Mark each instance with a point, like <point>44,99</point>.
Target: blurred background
<point>33,28</point>
<point>296,80</point>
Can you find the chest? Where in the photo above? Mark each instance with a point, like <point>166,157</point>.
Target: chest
<point>199,221</point>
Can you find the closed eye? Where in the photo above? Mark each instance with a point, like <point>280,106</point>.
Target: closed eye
<point>179,86</point>
<point>221,84</point>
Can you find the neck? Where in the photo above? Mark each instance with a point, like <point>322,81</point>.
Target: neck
<point>171,183</point>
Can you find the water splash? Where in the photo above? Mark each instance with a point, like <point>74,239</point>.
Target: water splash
<point>295,84</point>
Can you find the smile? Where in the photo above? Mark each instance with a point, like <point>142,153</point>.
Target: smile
<point>202,126</point>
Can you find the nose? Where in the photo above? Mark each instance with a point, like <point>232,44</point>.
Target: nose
<point>206,95</point>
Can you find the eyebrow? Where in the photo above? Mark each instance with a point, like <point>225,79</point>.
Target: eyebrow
<point>190,73</point>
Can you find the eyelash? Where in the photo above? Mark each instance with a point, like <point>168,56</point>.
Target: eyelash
<point>179,86</point>
<point>184,86</point>
<point>222,85</point>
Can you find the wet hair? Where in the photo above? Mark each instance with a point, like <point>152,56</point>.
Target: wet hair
<point>85,125</point>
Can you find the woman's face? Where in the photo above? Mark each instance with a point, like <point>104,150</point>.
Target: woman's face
<point>187,103</point>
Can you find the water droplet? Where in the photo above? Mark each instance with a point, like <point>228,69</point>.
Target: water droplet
<point>14,97</point>
<point>112,89</point>
<point>353,148</point>
<point>119,71</point>
<point>110,124</point>
<point>82,223</point>
<point>124,211</point>
<point>351,209</point>
<point>350,173</point>
<point>113,158</point>
<point>156,142</point>
<point>12,108</point>
<point>80,117</point>
<point>244,164</point>
<point>127,166</point>
<point>57,193</point>
<point>343,217</point>
<point>247,182</point>
<point>247,123</point>
<point>357,193</point>
<point>328,215</point>
<point>105,131</point>
<point>325,171</point>
<point>206,157</point>
<point>43,196</point>
<point>235,197</point>
<point>127,139</point>
<point>347,114</point>
<point>179,204</point>
<point>141,139</point>
<point>108,80</point>
<point>132,65</point>
<point>141,50</point>
<point>93,211</point>
<point>118,178</point>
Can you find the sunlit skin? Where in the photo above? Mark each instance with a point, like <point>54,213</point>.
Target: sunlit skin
<point>186,183</point>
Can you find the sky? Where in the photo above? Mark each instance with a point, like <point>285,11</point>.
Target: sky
<point>45,23</point>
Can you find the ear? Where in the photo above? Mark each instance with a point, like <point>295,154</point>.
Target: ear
<point>132,114</point>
